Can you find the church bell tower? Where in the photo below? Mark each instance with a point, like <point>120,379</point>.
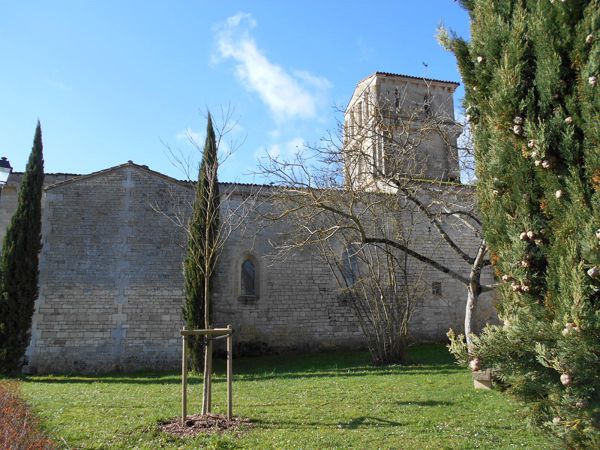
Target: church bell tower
<point>400,126</point>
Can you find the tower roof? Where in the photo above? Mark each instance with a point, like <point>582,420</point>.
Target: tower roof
<point>451,85</point>
<point>412,77</point>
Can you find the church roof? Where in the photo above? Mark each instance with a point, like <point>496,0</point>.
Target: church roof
<point>226,184</point>
<point>114,168</point>
<point>188,183</point>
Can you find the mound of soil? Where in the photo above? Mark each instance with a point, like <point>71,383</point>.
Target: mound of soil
<point>198,423</point>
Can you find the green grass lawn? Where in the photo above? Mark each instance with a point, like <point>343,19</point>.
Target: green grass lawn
<point>323,400</point>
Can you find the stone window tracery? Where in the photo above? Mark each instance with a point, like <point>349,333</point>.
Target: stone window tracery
<point>248,278</point>
<point>350,271</point>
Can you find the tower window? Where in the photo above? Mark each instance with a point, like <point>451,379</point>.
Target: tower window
<point>427,105</point>
<point>377,151</point>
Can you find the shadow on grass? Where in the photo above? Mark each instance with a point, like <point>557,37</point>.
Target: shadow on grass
<point>170,378</point>
<point>423,360</point>
<point>406,371</point>
<point>358,422</point>
<point>424,403</point>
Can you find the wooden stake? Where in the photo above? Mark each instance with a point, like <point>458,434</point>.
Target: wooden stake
<point>205,382</point>
<point>184,371</point>
<point>229,373</point>
<point>209,347</point>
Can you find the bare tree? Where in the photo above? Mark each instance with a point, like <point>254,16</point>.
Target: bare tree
<point>378,283</point>
<point>373,180</point>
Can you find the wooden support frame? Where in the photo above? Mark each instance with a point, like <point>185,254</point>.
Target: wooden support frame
<point>208,332</point>
<point>216,333</point>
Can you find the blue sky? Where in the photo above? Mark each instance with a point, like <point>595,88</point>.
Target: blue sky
<point>113,81</point>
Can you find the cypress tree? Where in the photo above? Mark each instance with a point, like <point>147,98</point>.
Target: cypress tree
<point>202,244</point>
<point>532,96</point>
<point>19,263</point>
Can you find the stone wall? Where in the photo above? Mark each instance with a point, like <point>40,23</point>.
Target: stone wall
<point>111,280</point>
<point>9,194</point>
<point>297,305</point>
<point>110,275</point>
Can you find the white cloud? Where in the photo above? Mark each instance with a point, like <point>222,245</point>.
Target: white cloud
<point>318,83</point>
<point>274,151</point>
<point>285,151</point>
<point>293,146</point>
<point>275,134</point>
<point>288,95</point>
<point>188,135</point>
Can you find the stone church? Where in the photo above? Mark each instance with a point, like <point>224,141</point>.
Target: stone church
<point>111,284</point>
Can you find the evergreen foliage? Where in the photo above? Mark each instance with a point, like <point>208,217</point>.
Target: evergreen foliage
<point>202,247</point>
<point>19,263</point>
<point>532,96</point>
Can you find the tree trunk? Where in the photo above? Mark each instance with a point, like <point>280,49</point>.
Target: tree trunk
<point>473,291</point>
<point>206,377</point>
<point>472,298</point>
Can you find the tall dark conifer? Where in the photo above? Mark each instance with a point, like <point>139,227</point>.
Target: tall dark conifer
<point>19,263</point>
<point>202,244</point>
<point>533,98</point>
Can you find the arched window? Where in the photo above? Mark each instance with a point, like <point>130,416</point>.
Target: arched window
<point>248,281</point>
<point>350,265</point>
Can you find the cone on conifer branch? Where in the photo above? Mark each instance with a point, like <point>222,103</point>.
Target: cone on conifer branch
<point>594,272</point>
<point>566,379</point>
<point>570,328</point>
<point>556,421</point>
<point>475,365</point>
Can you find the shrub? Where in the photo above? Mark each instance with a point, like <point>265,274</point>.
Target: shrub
<point>19,429</point>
